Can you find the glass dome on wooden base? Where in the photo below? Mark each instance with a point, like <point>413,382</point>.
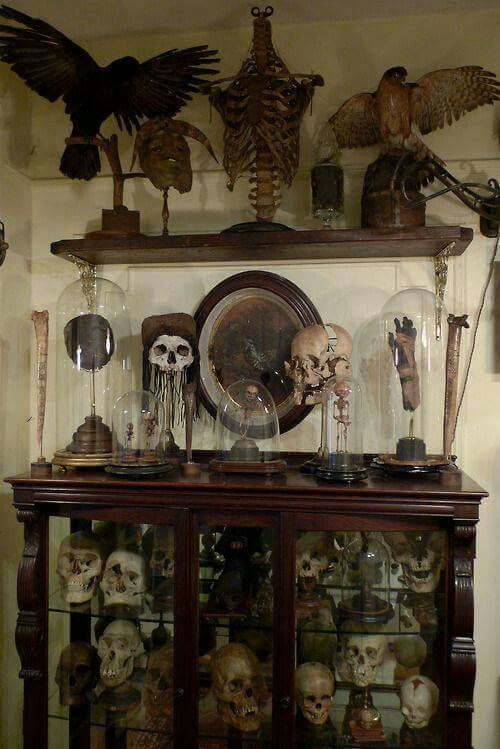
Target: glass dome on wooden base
<point>137,430</point>
<point>342,455</point>
<point>247,431</point>
<point>366,570</point>
<point>93,367</point>
<point>412,381</point>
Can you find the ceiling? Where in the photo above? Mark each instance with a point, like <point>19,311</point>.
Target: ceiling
<point>101,18</point>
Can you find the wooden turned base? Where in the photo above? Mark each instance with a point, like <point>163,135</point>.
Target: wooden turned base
<point>118,222</point>
<point>91,438</point>
<point>242,466</point>
<point>41,468</point>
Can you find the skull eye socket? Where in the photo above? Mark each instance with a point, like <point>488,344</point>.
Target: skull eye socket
<point>154,673</point>
<point>82,670</point>
<point>116,568</point>
<point>159,350</point>
<point>371,653</point>
<point>353,650</point>
<point>183,350</point>
<point>326,697</point>
<point>236,685</point>
<point>311,698</point>
<point>133,577</point>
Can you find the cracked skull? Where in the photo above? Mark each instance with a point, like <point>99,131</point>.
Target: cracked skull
<point>238,686</point>
<point>116,649</point>
<point>420,556</point>
<point>314,690</point>
<point>362,655</point>
<point>419,701</point>
<point>76,671</point>
<point>171,353</point>
<point>123,582</point>
<point>315,552</point>
<point>159,687</point>
<point>79,566</point>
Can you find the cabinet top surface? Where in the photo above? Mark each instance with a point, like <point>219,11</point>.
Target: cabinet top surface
<point>443,487</point>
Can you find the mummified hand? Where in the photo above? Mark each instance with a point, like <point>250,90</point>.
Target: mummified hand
<point>402,346</point>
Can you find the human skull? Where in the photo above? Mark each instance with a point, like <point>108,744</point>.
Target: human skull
<point>171,353</point>
<point>362,654</point>
<point>162,556</point>
<point>314,690</point>
<point>123,582</point>
<point>238,686</point>
<point>420,556</point>
<point>79,566</point>
<point>419,701</point>
<point>116,649</point>
<point>315,552</point>
<point>159,686</point>
<point>76,671</point>
<point>309,359</point>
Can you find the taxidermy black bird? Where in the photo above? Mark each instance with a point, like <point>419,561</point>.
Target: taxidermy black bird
<point>55,67</point>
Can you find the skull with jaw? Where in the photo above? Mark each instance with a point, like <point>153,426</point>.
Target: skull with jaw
<point>123,582</point>
<point>159,687</point>
<point>362,654</point>
<point>420,556</point>
<point>315,551</point>
<point>78,666</point>
<point>419,701</point>
<point>79,566</point>
<point>309,360</point>
<point>314,690</point>
<point>116,648</point>
<point>162,556</point>
<point>238,686</point>
<point>171,353</point>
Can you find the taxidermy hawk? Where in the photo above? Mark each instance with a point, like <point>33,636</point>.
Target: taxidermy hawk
<point>55,67</point>
<point>388,115</point>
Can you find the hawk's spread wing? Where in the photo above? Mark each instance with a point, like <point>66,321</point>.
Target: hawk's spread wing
<point>163,84</point>
<point>49,62</point>
<point>444,95</point>
<point>355,123</point>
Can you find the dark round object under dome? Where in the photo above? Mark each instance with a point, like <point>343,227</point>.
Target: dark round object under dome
<point>89,341</point>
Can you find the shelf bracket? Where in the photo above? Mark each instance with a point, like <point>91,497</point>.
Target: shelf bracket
<point>88,278</point>
<point>441,277</point>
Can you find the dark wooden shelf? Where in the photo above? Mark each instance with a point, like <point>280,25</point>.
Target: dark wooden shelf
<point>315,244</point>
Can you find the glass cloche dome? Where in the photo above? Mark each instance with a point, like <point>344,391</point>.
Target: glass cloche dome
<point>342,426</point>
<point>412,381</point>
<point>137,430</point>
<point>366,571</point>
<point>247,431</point>
<point>93,368</point>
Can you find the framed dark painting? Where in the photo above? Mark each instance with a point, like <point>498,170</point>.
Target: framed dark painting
<point>245,327</point>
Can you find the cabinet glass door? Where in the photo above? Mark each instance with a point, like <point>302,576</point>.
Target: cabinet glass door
<point>236,643</point>
<point>111,633</point>
<point>370,637</point>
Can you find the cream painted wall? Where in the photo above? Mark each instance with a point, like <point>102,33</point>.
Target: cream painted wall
<point>351,56</point>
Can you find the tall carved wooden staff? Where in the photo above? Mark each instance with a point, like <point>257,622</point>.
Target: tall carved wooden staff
<point>189,468</point>
<point>41,322</point>
<point>455,325</point>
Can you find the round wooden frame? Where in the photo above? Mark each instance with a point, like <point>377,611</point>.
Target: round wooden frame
<point>288,292</point>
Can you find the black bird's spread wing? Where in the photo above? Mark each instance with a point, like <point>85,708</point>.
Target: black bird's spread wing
<point>162,85</point>
<point>49,62</point>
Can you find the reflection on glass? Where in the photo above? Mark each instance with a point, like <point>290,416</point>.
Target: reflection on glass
<point>236,644</point>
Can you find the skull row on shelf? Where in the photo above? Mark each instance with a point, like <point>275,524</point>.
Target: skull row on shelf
<point>121,562</point>
<point>238,684</point>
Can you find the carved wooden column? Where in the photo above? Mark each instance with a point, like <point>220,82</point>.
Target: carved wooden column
<point>31,630</point>
<point>463,653</point>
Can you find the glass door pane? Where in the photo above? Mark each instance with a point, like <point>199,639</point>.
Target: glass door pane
<point>370,638</point>
<point>111,634</point>
<point>236,635</point>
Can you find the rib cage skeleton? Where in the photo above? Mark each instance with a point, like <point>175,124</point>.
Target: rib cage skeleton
<point>262,109</point>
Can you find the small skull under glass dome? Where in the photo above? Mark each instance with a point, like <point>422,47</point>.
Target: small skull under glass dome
<point>342,426</point>
<point>93,368</point>
<point>247,431</point>
<point>137,432</point>
<point>366,570</point>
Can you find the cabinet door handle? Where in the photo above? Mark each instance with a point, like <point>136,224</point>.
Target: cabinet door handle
<point>285,703</point>
<point>178,694</point>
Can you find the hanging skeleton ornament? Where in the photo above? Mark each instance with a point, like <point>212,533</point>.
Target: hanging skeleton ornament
<point>79,566</point>
<point>159,686</point>
<point>262,109</point>
<point>420,556</point>
<point>117,648</point>
<point>314,690</point>
<point>124,582</point>
<point>238,687</point>
<point>362,654</point>
<point>76,673</point>
<point>170,359</point>
<point>315,357</point>
<point>419,701</point>
<point>165,158</point>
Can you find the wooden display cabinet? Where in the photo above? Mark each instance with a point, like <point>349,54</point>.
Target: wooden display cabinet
<point>254,597</point>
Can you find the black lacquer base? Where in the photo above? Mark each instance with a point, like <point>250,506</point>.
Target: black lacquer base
<point>258,226</point>
<point>156,469</point>
<point>347,475</point>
